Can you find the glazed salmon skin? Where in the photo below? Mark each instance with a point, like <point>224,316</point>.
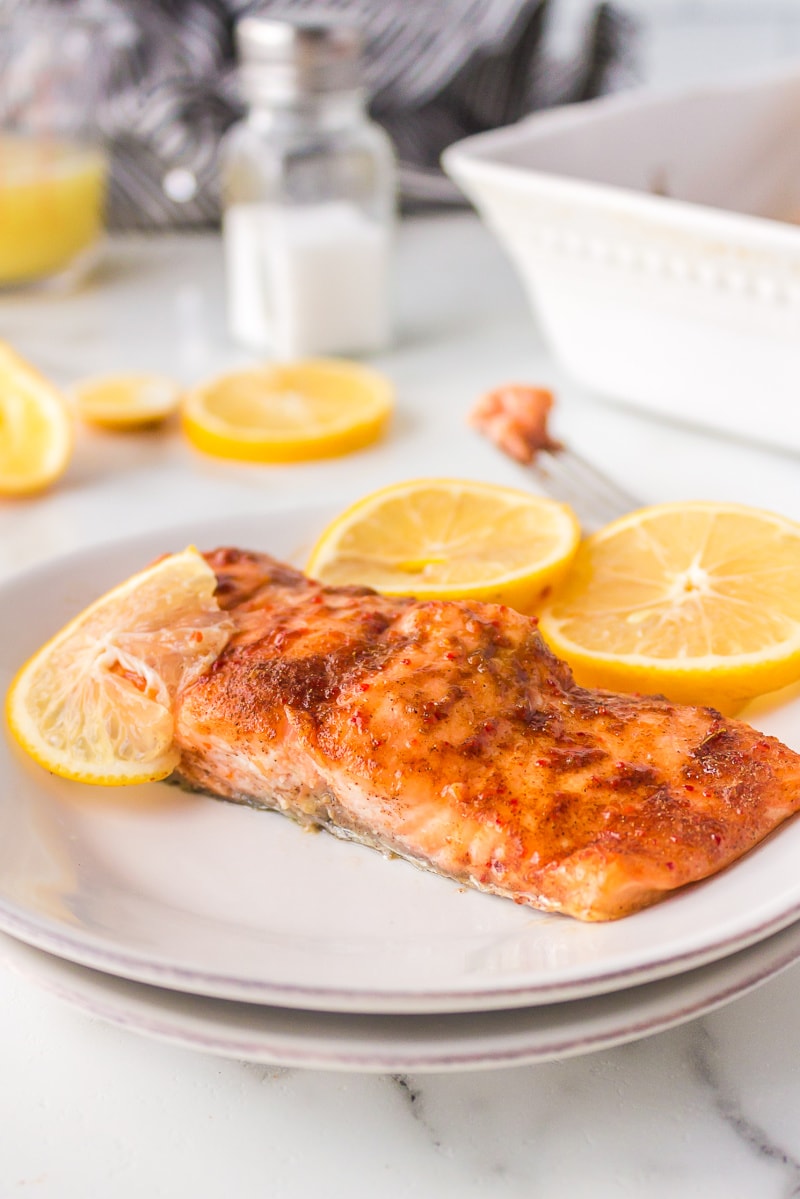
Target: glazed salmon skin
<point>447,733</point>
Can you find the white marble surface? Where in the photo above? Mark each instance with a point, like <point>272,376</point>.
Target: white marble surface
<point>708,1109</point>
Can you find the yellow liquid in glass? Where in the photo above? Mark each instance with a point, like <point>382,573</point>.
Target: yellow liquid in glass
<point>51,205</point>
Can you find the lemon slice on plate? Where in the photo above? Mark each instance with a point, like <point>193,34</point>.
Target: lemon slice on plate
<point>450,539</point>
<point>313,409</point>
<point>95,703</point>
<point>35,428</point>
<point>128,401</point>
<point>698,601</point>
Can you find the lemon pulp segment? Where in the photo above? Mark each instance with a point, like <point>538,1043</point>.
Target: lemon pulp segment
<point>699,600</point>
<point>448,539</point>
<point>126,401</point>
<point>95,703</point>
<point>289,413</point>
<point>35,427</point>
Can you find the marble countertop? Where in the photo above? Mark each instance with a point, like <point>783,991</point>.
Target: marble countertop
<point>707,1109</point>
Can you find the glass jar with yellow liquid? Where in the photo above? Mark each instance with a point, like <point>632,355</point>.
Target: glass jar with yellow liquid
<point>52,162</point>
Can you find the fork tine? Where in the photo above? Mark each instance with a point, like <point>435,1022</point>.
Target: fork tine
<point>597,500</point>
<point>514,418</point>
<point>586,476</point>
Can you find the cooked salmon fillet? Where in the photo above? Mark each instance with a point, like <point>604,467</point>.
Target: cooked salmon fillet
<point>447,733</point>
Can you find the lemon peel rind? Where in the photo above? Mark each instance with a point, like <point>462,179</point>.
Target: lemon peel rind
<point>56,460</point>
<point>282,448</point>
<point>723,681</point>
<point>333,437</point>
<point>138,414</point>
<point>681,507</point>
<point>726,690</point>
<point>777,653</point>
<point>58,764</point>
<point>517,588</point>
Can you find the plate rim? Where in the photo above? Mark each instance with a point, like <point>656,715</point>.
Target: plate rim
<point>155,1012</point>
<point>86,950</point>
<point>135,968</point>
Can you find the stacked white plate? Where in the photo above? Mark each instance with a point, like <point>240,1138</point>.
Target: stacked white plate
<point>233,931</point>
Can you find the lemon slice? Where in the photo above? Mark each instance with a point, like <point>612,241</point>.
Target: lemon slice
<point>131,401</point>
<point>35,428</point>
<point>450,539</point>
<point>95,703</point>
<point>314,409</point>
<point>698,601</point>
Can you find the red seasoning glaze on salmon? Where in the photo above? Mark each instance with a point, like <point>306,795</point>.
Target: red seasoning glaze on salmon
<point>447,733</point>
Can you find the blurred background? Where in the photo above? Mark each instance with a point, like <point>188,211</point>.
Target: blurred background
<point>436,70</point>
<point>695,41</point>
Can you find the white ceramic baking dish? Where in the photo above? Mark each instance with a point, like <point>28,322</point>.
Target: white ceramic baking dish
<point>653,235</point>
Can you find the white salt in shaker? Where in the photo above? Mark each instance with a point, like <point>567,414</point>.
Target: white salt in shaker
<point>308,189</point>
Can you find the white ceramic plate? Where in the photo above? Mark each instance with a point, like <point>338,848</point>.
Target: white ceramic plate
<point>392,1044</point>
<point>185,892</point>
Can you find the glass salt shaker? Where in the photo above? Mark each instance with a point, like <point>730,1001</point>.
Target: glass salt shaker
<point>308,192</point>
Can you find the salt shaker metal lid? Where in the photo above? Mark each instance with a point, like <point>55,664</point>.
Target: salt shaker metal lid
<point>284,58</point>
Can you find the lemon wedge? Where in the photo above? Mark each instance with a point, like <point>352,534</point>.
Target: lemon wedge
<point>450,539</point>
<point>95,703</point>
<point>313,409</point>
<point>35,428</point>
<point>127,401</point>
<point>699,601</point>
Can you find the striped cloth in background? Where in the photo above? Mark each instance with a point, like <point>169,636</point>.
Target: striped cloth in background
<point>436,70</point>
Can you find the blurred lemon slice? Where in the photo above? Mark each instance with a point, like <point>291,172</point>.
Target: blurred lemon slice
<point>35,428</point>
<point>313,409</point>
<point>129,401</point>
<point>450,539</point>
<point>699,601</point>
<point>95,703</point>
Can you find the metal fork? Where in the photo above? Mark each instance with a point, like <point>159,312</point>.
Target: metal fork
<point>595,499</point>
<point>514,419</point>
